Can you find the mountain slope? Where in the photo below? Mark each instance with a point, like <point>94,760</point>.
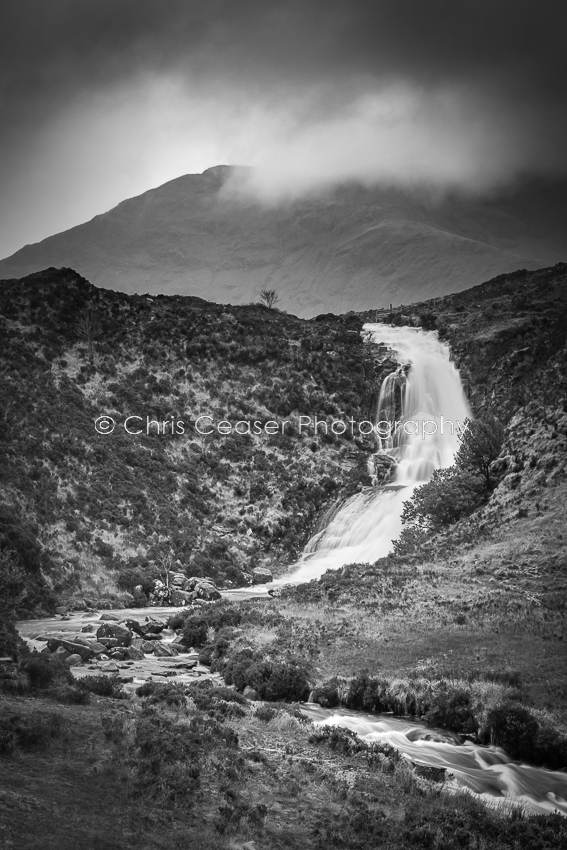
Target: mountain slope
<point>353,249</point>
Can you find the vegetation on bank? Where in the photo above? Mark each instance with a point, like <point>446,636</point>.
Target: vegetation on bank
<point>93,516</point>
<point>201,767</point>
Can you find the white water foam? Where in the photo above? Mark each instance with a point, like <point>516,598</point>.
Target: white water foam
<point>433,408</point>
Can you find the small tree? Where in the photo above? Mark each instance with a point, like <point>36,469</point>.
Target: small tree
<point>89,328</point>
<point>269,297</point>
<point>481,442</point>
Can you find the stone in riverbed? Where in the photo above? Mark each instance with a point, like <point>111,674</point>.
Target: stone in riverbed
<point>117,655</point>
<point>73,660</point>
<point>148,646</point>
<point>179,598</point>
<point>164,650</point>
<point>88,628</point>
<point>261,575</point>
<point>109,667</point>
<point>109,617</point>
<point>62,653</point>
<point>84,652</point>
<point>134,626</point>
<point>121,634</point>
<point>134,654</point>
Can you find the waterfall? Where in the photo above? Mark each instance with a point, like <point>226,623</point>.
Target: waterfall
<point>426,391</point>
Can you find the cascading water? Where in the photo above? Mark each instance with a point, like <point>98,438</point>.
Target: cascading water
<point>486,771</point>
<point>427,390</point>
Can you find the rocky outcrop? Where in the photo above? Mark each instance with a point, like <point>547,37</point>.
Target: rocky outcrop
<point>261,575</point>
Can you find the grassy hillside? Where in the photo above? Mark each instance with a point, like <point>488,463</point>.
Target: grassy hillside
<point>94,513</point>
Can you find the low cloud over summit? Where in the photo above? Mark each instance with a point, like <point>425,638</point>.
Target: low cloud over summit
<point>103,100</point>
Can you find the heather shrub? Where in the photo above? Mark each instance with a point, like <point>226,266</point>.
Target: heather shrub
<point>43,671</point>
<point>102,686</point>
<point>273,680</point>
<point>195,631</point>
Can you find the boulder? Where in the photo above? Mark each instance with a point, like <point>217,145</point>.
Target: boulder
<point>148,646</point>
<point>165,650</point>
<point>85,653</point>
<point>73,660</point>
<point>53,644</point>
<point>153,627</point>
<point>109,643</point>
<point>204,588</point>
<point>118,655</point>
<point>97,648</point>
<point>109,667</point>
<point>250,693</point>
<point>133,625</point>
<point>88,628</point>
<point>180,597</point>
<point>111,617</point>
<point>136,643</point>
<point>133,654</point>
<point>121,634</point>
<point>261,575</point>
<point>62,653</point>
<point>177,580</point>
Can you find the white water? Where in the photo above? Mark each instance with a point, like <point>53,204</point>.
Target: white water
<point>485,771</point>
<point>365,527</point>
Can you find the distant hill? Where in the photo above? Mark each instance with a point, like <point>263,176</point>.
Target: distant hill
<point>353,249</point>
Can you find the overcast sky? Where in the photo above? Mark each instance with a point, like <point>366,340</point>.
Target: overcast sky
<point>104,99</point>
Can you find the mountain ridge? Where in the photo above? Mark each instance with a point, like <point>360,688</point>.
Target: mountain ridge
<point>353,248</point>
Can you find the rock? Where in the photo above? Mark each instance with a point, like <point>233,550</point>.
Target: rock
<point>117,655</point>
<point>88,628</point>
<point>151,636</point>
<point>53,644</point>
<point>109,643</point>
<point>133,625</point>
<point>109,617</point>
<point>134,654</point>
<point>61,609</point>
<point>204,588</point>
<point>153,627</point>
<point>178,579</point>
<point>261,575</point>
<point>121,634</point>
<point>164,650</point>
<point>97,648</point>
<point>180,597</point>
<point>109,667</point>
<point>136,643</point>
<point>62,653</point>
<point>250,693</point>
<point>148,646</point>
<point>85,653</point>
<point>73,660</point>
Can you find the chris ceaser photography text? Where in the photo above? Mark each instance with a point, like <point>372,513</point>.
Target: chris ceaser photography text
<point>207,424</point>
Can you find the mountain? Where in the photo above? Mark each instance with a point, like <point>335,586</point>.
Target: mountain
<point>352,249</point>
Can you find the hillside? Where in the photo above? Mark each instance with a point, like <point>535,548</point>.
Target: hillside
<point>354,249</point>
<point>97,514</point>
<point>93,513</point>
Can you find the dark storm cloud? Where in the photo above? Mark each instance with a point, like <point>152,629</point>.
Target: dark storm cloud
<point>102,100</point>
<point>52,51</point>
